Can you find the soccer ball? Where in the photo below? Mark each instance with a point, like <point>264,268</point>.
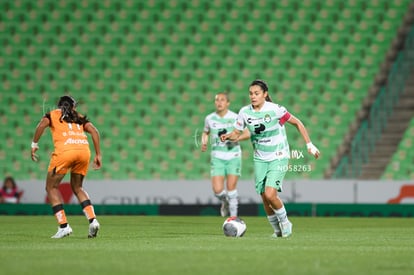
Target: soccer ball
<point>234,227</point>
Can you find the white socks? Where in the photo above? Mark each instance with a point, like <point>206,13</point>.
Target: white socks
<point>233,202</point>
<point>274,222</point>
<point>281,214</point>
<point>230,197</point>
<point>222,195</point>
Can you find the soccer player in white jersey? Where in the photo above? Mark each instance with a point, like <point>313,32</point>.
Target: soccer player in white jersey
<point>225,155</point>
<point>265,121</point>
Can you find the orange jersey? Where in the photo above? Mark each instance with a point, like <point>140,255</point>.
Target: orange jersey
<point>67,136</point>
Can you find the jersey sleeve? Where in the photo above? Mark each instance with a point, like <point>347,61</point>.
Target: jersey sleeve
<point>239,123</point>
<point>283,114</point>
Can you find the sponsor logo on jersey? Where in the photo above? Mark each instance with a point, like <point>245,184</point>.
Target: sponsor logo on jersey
<point>254,120</point>
<point>76,141</point>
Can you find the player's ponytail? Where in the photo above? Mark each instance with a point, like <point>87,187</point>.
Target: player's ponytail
<point>67,104</point>
<point>262,84</point>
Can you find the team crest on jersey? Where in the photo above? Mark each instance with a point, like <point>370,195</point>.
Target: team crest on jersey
<point>267,118</point>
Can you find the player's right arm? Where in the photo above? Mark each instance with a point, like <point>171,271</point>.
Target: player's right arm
<point>204,141</point>
<point>232,136</point>
<point>205,134</point>
<point>40,128</point>
<point>91,129</point>
<point>244,135</point>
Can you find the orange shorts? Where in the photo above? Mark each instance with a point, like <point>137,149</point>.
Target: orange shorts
<point>76,161</point>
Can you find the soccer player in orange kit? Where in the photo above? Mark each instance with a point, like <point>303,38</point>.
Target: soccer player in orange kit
<point>71,154</point>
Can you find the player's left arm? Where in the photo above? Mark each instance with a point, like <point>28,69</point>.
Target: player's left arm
<point>244,135</point>
<point>96,139</point>
<point>302,130</point>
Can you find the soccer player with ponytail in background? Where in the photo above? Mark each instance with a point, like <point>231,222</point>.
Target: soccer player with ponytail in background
<point>71,154</point>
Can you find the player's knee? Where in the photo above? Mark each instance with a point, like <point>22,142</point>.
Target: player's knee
<point>76,189</point>
<point>51,187</point>
<point>270,194</point>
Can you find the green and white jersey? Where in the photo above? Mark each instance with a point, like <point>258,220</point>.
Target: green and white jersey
<point>267,130</point>
<point>216,126</point>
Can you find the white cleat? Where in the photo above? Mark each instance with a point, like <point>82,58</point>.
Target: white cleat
<point>93,228</point>
<point>62,232</point>
<point>286,229</point>
<point>278,232</point>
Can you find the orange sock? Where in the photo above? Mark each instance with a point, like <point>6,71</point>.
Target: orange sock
<point>89,212</point>
<point>61,217</point>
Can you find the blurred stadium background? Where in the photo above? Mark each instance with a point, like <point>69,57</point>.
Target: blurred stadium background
<point>146,73</point>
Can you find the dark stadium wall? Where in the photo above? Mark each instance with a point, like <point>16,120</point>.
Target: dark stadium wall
<point>294,209</point>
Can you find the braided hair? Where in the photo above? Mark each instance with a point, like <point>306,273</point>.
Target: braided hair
<point>262,84</point>
<point>67,104</point>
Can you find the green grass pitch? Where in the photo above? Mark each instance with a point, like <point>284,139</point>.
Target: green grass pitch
<point>196,245</point>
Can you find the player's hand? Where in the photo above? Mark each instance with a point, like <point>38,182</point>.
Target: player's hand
<point>97,162</point>
<point>313,150</point>
<point>34,156</point>
<point>224,137</point>
<point>203,147</point>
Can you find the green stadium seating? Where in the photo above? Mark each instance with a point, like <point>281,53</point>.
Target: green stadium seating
<point>146,73</point>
